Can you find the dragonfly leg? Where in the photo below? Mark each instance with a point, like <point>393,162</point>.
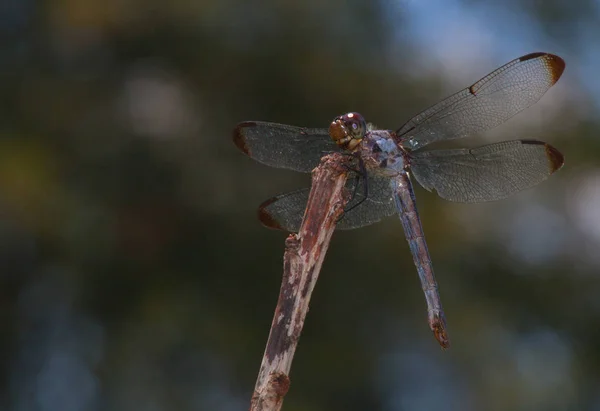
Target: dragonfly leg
<point>361,172</point>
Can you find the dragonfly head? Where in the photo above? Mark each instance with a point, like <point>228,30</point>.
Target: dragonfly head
<point>348,130</point>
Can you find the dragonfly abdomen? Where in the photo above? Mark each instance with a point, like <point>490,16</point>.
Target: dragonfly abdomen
<point>406,205</point>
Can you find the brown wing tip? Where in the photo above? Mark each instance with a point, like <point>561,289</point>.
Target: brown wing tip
<point>555,64</point>
<point>555,158</point>
<point>532,56</point>
<point>239,137</point>
<point>266,218</point>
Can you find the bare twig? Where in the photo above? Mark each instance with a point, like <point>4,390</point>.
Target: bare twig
<point>304,254</point>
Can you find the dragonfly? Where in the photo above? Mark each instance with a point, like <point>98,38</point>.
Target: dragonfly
<point>386,159</point>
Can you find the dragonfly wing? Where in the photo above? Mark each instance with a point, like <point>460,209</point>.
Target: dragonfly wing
<point>487,103</point>
<point>283,146</point>
<point>486,173</point>
<point>285,212</point>
<point>378,204</point>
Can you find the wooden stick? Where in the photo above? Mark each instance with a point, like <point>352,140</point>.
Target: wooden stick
<point>304,255</point>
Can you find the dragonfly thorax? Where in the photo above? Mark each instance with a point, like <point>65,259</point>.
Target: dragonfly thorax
<point>381,153</point>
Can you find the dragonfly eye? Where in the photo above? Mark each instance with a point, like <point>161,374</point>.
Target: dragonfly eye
<point>355,124</point>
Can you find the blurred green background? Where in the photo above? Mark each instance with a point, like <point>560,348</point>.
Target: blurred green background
<point>135,276</point>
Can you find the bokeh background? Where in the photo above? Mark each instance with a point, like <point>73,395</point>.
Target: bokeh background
<point>135,276</point>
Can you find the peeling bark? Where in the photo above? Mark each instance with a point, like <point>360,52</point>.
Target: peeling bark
<point>304,255</point>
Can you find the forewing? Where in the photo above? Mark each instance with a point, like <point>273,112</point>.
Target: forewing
<point>486,173</point>
<point>283,146</point>
<point>487,103</point>
<point>285,212</point>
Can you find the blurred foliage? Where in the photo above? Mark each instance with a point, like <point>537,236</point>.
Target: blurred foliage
<point>135,275</point>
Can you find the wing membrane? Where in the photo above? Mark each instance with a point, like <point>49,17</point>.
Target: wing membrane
<point>487,103</point>
<point>486,173</point>
<point>285,212</point>
<point>283,146</point>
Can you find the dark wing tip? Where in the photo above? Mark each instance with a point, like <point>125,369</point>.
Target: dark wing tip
<point>555,64</point>
<point>266,218</point>
<point>239,136</point>
<point>555,158</point>
<point>531,56</point>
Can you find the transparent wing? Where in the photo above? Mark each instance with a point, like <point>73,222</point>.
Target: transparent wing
<point>486,173</point>
<point>285,212</point>
<point>283,146</point>
<point>487,103</point>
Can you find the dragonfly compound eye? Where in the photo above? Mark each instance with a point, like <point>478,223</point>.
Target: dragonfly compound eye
<point>356,125</point>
